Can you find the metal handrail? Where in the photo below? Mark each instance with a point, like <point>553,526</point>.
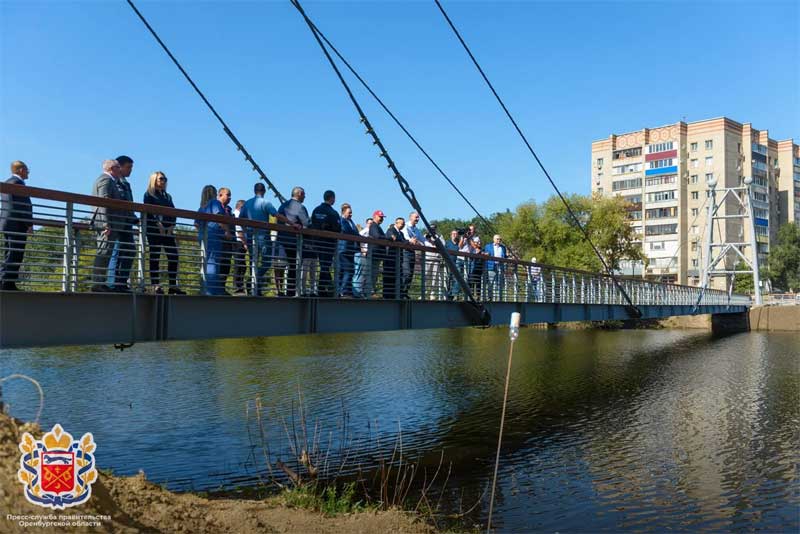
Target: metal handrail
<point>516,278</point>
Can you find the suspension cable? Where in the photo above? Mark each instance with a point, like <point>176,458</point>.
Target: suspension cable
<point>632,309</point>
<point>482,314</point>
<point>408,134</point>
<point>227,130</point>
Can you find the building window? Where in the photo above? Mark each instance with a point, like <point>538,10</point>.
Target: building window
<point>694,246</point>
<point>695,195</point>
<point>709,144</point>
<point>709,176</point>
<point>633,183</point>
<point>709,161</point>
<point>627,153</point>
<point>660,229</point>
<point>599,162</point>
<point>662,213</point>
<point>600,190</point>
<point>695,163</point>
<point>695,211</point>
<point>659,147</point>
<point>660,163</point>
<point>761,197</point>
<point>660,180</point>
<point>694,263</point>
<point>693,147</point>
<point>661,196</point>
<point>693,179</point>
<point>625,169</point>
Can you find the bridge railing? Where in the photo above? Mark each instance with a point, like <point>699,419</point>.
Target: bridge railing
<point>157,249</point>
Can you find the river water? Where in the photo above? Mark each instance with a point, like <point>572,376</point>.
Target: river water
<point>645,430</point>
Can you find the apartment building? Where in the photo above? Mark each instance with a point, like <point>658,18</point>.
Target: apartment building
<point>663,172</point>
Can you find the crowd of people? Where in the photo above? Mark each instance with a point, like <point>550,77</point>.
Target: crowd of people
<point>315,265</point>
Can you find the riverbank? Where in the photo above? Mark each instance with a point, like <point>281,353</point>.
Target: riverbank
<point>761,319</point>
<point>132,504</point>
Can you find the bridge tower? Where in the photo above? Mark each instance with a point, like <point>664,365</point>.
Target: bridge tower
<point>724,247</point>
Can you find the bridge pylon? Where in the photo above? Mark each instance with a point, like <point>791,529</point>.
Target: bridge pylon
<point>725,244</point>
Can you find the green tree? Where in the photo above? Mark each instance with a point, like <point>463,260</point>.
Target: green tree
<point>784,258</point>
<point>611,232</point>
<point>743,283</point>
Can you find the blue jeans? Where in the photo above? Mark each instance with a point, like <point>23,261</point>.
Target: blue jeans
<point>345,273</point>
<point>111,273</point>
<point>358,274</point>
<point>496,284</point>
<point>212,264</point>
<point>260,257</point>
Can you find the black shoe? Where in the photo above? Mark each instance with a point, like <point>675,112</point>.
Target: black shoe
<point>101,288</point>
<point>9,286</point>
<point>176,291</point>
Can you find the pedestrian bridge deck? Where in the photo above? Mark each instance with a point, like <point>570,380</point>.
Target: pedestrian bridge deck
<point>408,284</point>
<point>48,319</point>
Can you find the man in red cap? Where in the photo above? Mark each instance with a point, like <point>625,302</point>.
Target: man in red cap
<point>378,253</point>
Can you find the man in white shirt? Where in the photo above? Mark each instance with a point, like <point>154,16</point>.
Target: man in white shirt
<point>414,236</point>
<point>362,286</point>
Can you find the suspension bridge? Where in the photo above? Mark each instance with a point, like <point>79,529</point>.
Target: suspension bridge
<point>440,290</point>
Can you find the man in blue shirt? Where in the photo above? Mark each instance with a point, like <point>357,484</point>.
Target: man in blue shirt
<point>259,244</point>
<point>496,270</point>
<point>452,245</point>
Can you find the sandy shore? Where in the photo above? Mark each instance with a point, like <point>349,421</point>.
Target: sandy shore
<point>135,505</point>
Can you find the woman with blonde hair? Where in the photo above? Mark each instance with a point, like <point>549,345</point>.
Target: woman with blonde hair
<point>160,233</point>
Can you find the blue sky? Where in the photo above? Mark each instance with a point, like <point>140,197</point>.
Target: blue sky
<point>84,81</point>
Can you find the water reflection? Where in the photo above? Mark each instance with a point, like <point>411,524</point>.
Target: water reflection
<point>605,430</point>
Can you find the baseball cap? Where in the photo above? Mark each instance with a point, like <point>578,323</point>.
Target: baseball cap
<point>378,213</point>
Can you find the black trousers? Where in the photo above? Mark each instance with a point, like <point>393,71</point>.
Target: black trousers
<point>15,238</point>
<point>290,246</point>
<point>239,265</point>
<point>390,265</point>
<point>325,248</point>
<point>409,262</point>
<point>225,262</point>
<point>158,243</point>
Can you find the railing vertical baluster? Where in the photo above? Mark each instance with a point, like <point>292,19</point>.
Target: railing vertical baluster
<point>204,259</point>
<point>140,270</point>
<point>300,271</point>
<point>552,286</point>
<point>422,276</point>
<point>398,271</point>
<point>66,279</point>
<point>254,251</point>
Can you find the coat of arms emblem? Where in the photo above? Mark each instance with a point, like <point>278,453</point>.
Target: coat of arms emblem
<point>57,471</point>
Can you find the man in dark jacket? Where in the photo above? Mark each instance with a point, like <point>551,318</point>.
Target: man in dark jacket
<point>296,215</point>
<point>375,253</point>
<point>392,263</point>
<point>114,227</point>
<point>324,217</point>
<point>16,216</point>
<point>347,252</point>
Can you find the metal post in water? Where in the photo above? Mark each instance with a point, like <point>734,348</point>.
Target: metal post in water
<point>513,334</point>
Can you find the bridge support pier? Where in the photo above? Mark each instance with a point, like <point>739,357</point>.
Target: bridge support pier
<point>730,323</point>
